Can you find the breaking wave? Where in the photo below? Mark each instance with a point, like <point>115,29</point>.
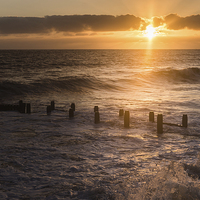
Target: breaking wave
<point>172,182</point>
<point>188,75</point>
<point>68,84</point>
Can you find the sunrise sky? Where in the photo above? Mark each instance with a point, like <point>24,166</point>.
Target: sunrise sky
<point>99,24</point>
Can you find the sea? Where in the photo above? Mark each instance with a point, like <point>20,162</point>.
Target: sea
<point>55,156</point>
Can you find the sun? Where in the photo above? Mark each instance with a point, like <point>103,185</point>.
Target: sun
<point>150,32</point>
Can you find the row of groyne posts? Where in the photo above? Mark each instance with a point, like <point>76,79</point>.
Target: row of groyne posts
<point>21,107</point>
<point>151,119</point>
<point>160,122</point>
<point>52,107</point>
<point>26,108</point>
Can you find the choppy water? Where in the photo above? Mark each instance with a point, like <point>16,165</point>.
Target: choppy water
<point>55,157</point>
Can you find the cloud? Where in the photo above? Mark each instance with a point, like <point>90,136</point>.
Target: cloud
<point>68,23</point>
<point>77,24</point>
<point>17,25</point>
<point>158,21</point>
<point>176,22</point>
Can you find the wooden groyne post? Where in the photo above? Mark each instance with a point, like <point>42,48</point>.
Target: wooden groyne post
<point>22,107</point>
<point>127,119</point>
<point>71,113</point>
<point>121,112</point>
<point>48,110</point>
<point>28,108</point>
<point>159,123</point>
<point>52,105</point>
<point>151,116</point>
<point>73,106</point>
<point>96,108</point>
<point>96,117</point>
<point>184,121</point>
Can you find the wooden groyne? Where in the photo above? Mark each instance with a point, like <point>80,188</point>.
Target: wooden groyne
<point>26,108</point>
<point>160,122</point>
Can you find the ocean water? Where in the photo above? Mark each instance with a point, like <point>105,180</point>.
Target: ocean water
<point>56,157</point>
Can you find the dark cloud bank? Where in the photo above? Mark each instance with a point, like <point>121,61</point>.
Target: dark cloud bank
<point>176,22</point>
<point>80,23</point>
<point>68,23</point>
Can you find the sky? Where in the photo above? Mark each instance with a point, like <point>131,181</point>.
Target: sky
<point>99,24</point>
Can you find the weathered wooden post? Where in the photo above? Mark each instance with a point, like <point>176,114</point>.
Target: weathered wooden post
<point>48,110</point>
<point>73,106</point>
<point>9,107</point>
<point>121,112</point>
<point>20,102</point>
<point>52,105</point>
<point>96,108</point>
<point>71,112</point>
<point>28,108</point>
<point>184,121</point>
<point>126,119</point>
<point>151,116</point>
<point>159,123</point>
<point>96,117</point>
<point>24,108</point>
<point>20,106</point>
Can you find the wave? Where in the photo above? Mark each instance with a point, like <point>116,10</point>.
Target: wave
<point>66,84</point>
<point>87,84</point>
<point>169,182</point>
<point>161,76</point>
<point>172,182</point>
<point>188,75</point>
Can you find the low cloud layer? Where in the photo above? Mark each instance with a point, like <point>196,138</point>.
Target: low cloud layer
<point>68,23</point>
<point>81,23</point>
<point>175,22</point>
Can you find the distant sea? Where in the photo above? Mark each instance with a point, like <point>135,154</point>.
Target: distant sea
<point>57,157</point>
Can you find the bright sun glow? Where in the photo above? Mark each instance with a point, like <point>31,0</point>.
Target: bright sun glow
<point>150,32</point>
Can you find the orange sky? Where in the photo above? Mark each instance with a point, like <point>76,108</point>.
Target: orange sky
<point>95,24</point>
